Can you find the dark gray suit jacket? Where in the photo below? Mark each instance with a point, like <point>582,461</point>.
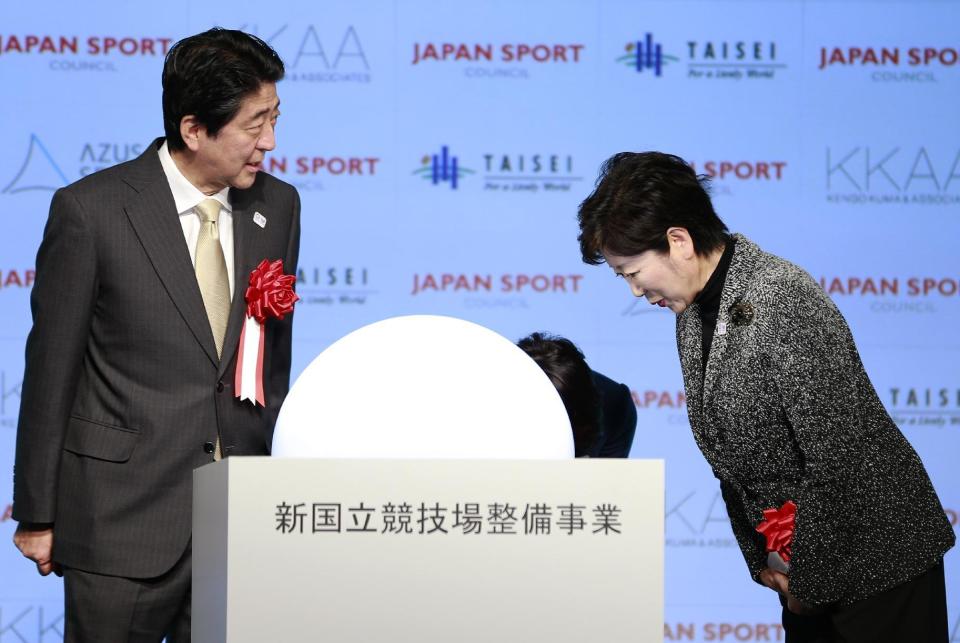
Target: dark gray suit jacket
<point>123,392</point>
<point>618,419</point>
<point>785,411</point>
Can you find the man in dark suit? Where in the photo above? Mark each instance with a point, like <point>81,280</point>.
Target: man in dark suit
<point>137,307</point>
<point>601,411</point>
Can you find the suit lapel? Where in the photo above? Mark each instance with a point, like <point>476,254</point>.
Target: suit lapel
<point>691,355</point>
<point>734,287</point>
<point>703,385</point>
<point>153,215</point>
<point>248,251</point>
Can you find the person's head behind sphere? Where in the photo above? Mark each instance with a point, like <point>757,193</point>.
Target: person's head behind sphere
<point>567,369</point>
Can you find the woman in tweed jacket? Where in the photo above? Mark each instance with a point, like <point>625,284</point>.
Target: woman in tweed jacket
<point>782,409</point>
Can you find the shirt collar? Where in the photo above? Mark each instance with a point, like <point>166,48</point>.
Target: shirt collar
<point>185,194</point>
<point>709,297</point>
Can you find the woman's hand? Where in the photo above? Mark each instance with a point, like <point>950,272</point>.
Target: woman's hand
<point>779,582</point>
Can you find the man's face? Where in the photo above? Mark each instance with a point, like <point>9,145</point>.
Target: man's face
<point>666,279</point>
<point>235,155</point>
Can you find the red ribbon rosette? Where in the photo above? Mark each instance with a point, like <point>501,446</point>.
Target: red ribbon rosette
<point>269,295</point>
<point>777,527</point>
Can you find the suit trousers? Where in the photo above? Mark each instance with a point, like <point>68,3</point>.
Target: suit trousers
<point>912,612</point>
<point>112,609</point>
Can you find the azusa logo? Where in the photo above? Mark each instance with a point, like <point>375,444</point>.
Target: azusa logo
<point>38,172</point>
<point>442,168</point>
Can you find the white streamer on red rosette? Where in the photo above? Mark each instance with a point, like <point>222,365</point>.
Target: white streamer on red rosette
<point>269,295</point>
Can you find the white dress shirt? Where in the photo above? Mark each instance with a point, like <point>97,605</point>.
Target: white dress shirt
<point>186,197</point>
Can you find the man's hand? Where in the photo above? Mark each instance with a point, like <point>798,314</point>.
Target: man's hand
<point>35,541</point>
<point>779,582</point>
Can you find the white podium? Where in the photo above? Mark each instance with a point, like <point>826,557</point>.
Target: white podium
<point>428,550</point>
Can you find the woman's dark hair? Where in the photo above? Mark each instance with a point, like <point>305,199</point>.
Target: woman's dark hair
<point>208,75</point>
<point>566,367</point>
<point>638,197</point>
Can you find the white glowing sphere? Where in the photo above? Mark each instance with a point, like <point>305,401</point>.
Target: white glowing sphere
<point>423,386</point>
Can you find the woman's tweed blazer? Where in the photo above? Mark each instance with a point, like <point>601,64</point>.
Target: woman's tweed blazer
<point>786,411</point>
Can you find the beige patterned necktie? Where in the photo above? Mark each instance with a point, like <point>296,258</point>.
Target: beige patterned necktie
<point>212,277</point>
<point>212,271</point>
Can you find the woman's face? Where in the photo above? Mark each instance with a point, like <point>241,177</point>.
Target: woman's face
<point>670,279</point>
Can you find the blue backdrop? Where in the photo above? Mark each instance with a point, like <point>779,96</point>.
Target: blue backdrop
<point>441,150</point>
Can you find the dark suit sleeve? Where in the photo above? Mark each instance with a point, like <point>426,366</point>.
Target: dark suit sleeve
<point>282,335</point>
<point>62,304</point>
<point>751,543</point>
<point>619,417</point>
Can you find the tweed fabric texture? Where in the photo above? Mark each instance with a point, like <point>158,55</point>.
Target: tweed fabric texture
<point>785,411</point>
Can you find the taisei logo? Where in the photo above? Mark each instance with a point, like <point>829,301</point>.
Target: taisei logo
<point>707,59</point>
<point>732,59</point>
<point>924,406</point>
<point>442,168</point>
<point>645,55</point>
<point>528,172</point>
<point>330,285</point>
